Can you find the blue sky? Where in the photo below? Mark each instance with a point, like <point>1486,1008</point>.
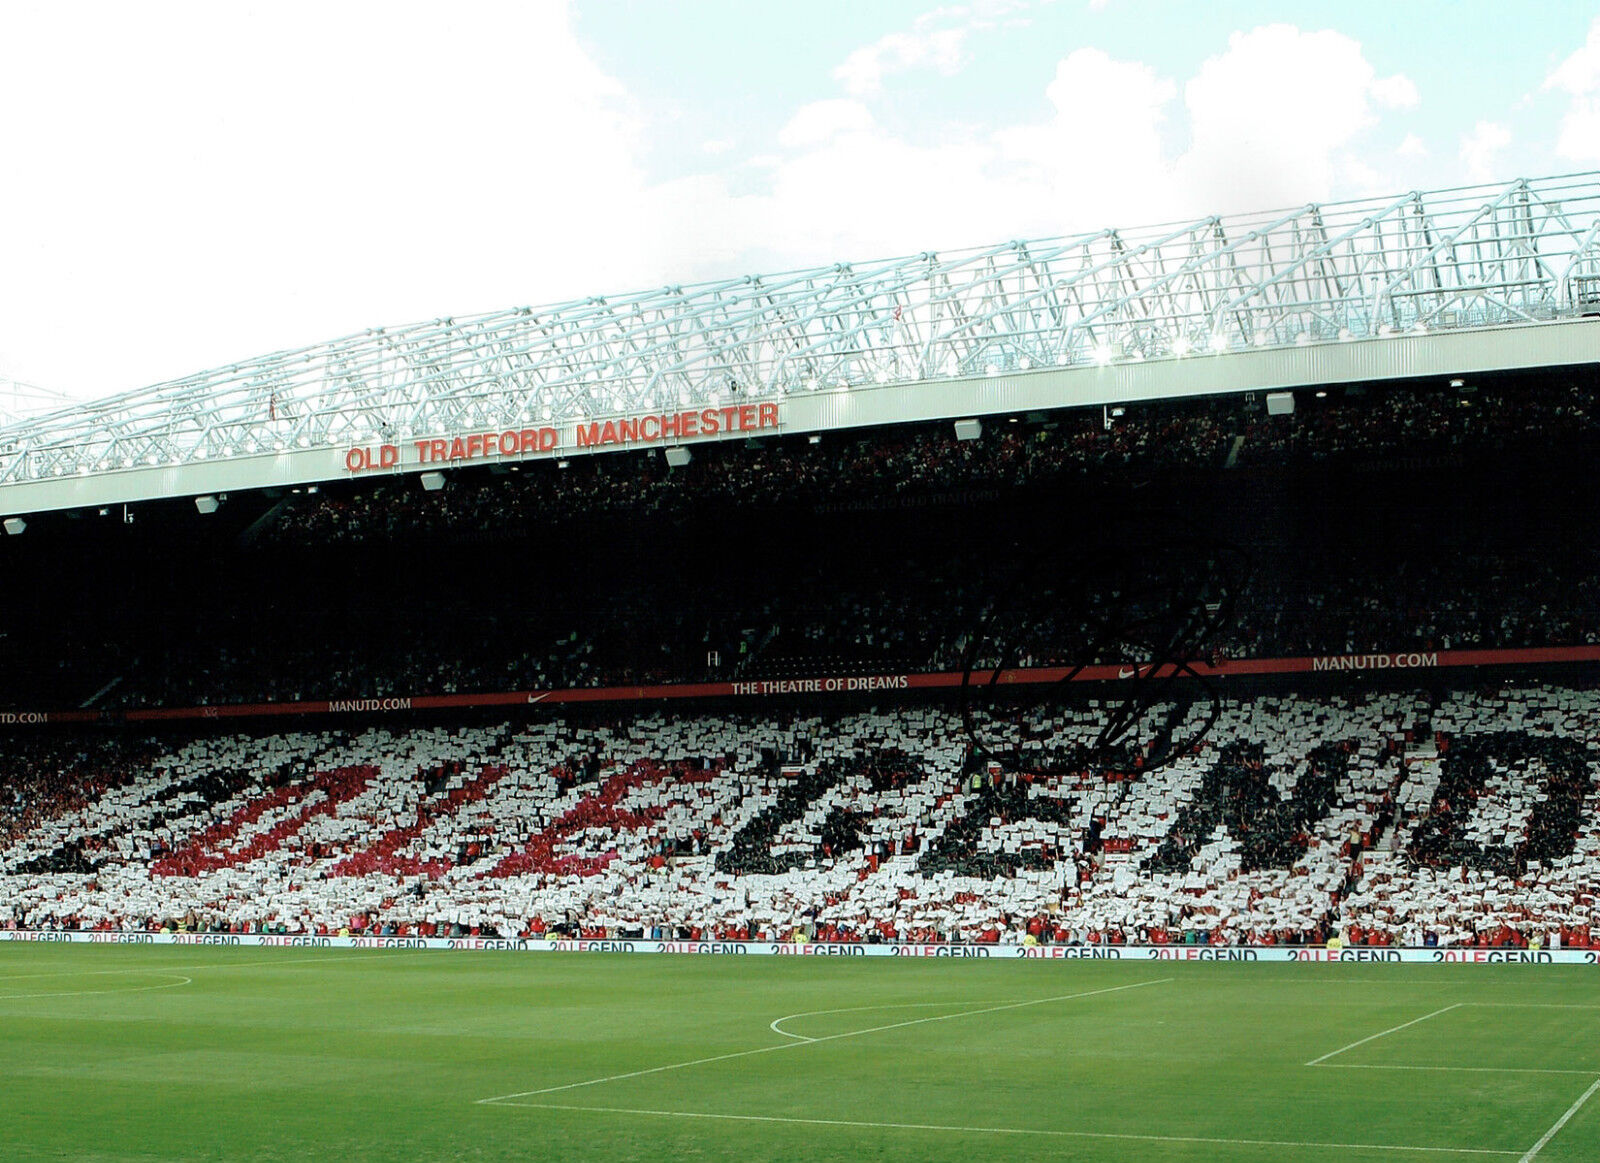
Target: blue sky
<point>193,183</point>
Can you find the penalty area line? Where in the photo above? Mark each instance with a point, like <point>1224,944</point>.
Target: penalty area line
<point>501,1098</point>
<point>1383,1034</point>
<point>1533,1151</point>
<point>1026,1131</point>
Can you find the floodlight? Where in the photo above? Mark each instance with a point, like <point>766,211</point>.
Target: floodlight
<point>432,481</point>
<point>15,526</point>
<point>1280,403</point>
<point>206,505</point>
<point>969,429</point>
<point>677,457</point>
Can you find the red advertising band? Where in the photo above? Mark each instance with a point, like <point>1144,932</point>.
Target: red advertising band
<point>829,685</point>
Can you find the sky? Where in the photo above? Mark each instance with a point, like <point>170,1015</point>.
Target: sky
<point>184,185</point>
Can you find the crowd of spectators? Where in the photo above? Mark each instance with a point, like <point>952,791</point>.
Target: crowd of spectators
<point>890,608</point>
<point>841,471</point>
<point>828,619</point>
<point>41,779</point>
<point>1353,425</point>
<point>1381,424</point>
<point>1467,818</point>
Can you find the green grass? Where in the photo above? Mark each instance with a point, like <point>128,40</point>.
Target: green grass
<point>267,1054</point>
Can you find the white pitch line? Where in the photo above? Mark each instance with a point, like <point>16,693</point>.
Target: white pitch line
<point>1454,1069</point>
<point>1383,1034</point>
<point>1528,1005</point>
<point>1561,1122</point>
<point>612,1110</point>
<point>101,992</point>
<point>910,1005</point>
<point>815,1041</point>
<point>364,956</point>
<point>79,973</point>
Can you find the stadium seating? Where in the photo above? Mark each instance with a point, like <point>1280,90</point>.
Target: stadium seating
<point>920,618</point>
<point>1392,817</point>
<point>1443,576</point>
<point>882,468</point>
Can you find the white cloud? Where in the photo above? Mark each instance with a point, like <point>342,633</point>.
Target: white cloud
<point>1109,153</point>
<point>847,187</point>
<point>1396,92</point>
<point>822,121</point>
<point>937,40</point>
<point>196,183</point>
<point>318,189</point>
<point>864,70</point>
<point>1412,146</point>
<point>1108,120</point>
<point>1280,117</point>
<point>1578,76</point>
<point>1579,138</point>
<point>1277,117</point>
<point>1480,149</point>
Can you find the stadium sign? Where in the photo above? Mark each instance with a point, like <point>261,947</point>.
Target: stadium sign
<point>1277,954</point>
<point>1376,661</point>
<point>619,432</point>
<point>832,685</point>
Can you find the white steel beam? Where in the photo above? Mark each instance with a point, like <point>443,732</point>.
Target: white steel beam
<point>1322,280</point>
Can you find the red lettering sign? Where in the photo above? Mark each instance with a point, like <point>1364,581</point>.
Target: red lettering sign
<point>649,428</point>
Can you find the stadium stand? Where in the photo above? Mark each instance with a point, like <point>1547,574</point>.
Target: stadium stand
<point>907,616</point>
<point>271,620</point>
<point>1349,426</point>
<point>1371,521</point>
<point>1467,817</point>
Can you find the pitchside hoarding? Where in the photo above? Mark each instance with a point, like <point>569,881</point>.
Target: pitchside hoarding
<point>1274,954</point>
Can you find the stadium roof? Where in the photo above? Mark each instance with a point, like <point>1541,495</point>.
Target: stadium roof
<point>19,400</point>
<point>1454,281</point>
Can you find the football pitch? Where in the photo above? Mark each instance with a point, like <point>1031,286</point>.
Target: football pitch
<point>187,1053</point>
